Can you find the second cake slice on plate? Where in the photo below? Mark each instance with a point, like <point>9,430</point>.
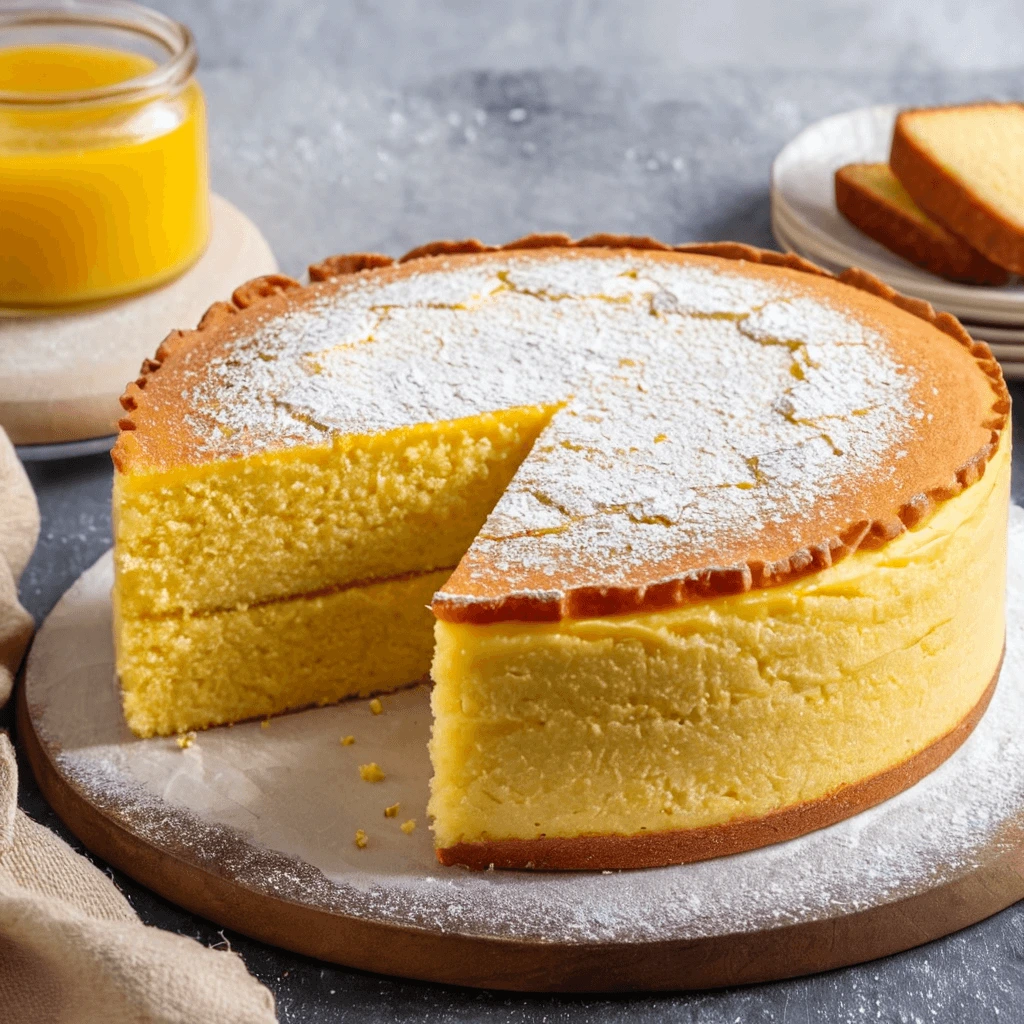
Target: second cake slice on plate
<point>871,197</point>
<point>963,167</point>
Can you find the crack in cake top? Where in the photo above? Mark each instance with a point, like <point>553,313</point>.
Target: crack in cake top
<point>716,425</point>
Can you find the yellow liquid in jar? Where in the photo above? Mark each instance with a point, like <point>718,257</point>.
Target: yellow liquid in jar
<point>102,199</point>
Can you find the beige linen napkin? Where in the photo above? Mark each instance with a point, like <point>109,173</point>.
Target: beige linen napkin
<point>19,530</point>
<point>72,950</point>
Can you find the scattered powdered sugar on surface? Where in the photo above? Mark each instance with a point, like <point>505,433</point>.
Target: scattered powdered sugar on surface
<point>697,405</point>
<point>276,809</point>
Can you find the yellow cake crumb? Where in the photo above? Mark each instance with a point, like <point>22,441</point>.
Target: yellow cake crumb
<point>265,724</point>
<point>347,741</point>
<point>408,826</point>
<point>217,675</point>
<point>186,739</point>
<point>371,772</point>
<point>391,812</point>
<point>361,839</point>
<point>376,707</point>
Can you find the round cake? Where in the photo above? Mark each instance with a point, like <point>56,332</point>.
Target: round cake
<point>701,547</point>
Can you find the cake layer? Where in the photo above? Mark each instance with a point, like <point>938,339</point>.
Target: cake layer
<point>731,709</point>
<point>361,507</point>
<point>722,424</point>
<point>609,851</point>
<point>193,671</point>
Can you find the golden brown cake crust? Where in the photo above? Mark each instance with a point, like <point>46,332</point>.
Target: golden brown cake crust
<point>959,452</point>
<point>949,201</point>
<point>657,849</point>
<point>939,251</point>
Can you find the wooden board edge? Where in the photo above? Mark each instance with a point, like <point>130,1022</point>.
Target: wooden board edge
<point>515,965</point>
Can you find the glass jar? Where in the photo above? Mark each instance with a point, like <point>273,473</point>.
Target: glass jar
<point>103,156</point>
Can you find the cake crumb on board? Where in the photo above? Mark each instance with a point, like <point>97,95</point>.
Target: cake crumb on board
<point>361,839</point>
<point>371,772</point>
<point>376,707</point>
<point>391,812</point>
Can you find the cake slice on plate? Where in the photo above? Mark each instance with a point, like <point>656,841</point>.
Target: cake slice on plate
<point>964,166</point>
<point>871,197</point>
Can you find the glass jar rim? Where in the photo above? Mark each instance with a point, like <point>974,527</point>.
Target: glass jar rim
<point>123,15</point>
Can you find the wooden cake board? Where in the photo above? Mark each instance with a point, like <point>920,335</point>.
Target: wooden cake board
<point>253,828</point>
<point>61,374</point>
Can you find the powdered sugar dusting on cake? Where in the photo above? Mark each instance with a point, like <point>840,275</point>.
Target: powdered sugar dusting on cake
<point>695,404</point>
<point>631,484</point>
<point>803,321</point>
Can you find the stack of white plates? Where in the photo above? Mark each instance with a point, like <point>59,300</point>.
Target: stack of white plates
<point>805,221</point>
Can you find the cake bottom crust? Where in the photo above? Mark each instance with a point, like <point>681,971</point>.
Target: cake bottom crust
<point>684,846</point>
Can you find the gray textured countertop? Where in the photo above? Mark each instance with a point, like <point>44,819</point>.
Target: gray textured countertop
<point>345,126</point>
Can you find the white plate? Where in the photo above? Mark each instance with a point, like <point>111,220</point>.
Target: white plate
<point>997,335</point>
<point>1008,353</point>
<point>803,199</point>
<point>788,241</point>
